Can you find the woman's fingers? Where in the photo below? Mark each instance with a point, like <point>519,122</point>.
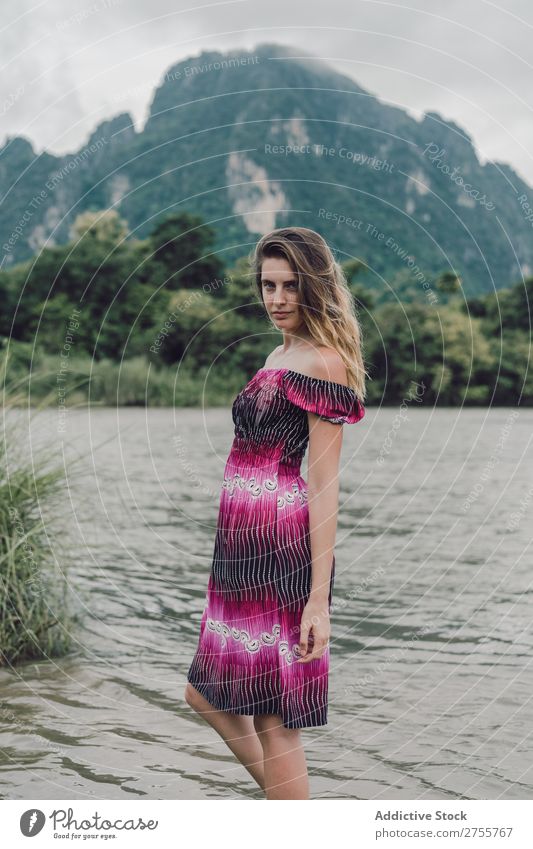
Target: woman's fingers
<point>304,634</point>
<point>318,650</point>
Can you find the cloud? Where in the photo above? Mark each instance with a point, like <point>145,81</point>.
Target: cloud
<point>74,64</point>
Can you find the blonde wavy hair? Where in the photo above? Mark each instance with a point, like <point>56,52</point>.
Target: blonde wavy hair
<point>324,296</point>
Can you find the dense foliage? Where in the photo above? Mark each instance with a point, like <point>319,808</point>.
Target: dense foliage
<point>161,321</point>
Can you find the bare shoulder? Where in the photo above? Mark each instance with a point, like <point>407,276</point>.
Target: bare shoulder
<point>327,364</point>
<point>271,359</point>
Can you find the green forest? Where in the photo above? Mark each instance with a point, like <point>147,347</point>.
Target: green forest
<point>161,321</point>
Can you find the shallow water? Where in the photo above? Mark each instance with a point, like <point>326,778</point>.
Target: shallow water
<point>431,658</point>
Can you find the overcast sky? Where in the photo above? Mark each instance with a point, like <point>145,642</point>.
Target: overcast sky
<point>68,64</point>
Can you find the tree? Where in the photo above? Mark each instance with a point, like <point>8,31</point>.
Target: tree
<point>448,282</point>
<point>106,228</point>
<point>512,363</point>
<point>442,349</point>
<point>352,268</point>
<point>181,255</point>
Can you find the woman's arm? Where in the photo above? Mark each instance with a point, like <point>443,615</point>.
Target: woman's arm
<point>325,442</point>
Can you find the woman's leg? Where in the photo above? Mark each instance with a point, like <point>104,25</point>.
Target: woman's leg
<point>285,774</point>
<point>237,731</point>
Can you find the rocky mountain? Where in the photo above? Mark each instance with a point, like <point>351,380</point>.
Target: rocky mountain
<point>253,140</point>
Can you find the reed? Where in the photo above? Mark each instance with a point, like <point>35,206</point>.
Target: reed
<point>132,382</point>
<point>34,619</point>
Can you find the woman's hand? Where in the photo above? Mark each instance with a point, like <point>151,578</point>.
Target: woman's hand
<point>314,631</point>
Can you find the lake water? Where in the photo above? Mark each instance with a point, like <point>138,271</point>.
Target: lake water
<point>431,676</point>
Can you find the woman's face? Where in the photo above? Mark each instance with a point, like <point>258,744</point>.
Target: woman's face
<point>280,293</point>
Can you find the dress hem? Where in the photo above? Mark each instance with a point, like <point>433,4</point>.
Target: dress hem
<point>204,691</point>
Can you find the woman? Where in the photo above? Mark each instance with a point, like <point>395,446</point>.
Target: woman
<point>260,672</point>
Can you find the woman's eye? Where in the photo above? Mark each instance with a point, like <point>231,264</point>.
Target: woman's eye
<point>292,286</point>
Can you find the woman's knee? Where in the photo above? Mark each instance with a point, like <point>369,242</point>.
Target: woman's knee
<point>193,698</point>
<point>270,727</point>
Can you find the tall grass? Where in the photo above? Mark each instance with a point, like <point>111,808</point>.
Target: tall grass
<point>34,618</point>
<point>35,621</point>
<point>133,382</point>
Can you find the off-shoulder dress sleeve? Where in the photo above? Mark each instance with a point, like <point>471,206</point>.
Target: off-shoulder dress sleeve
<point>331,401</point>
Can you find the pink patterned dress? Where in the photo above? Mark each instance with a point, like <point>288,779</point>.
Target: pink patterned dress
<point>245,661</point>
